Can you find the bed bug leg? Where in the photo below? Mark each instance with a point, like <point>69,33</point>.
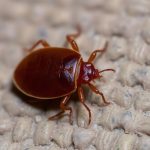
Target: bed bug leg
<point>63,108</point>
<point>95,90</point>
<point>43,42</point>
<point>71,37</point>
<point>82,100</point>
<point>93,54</point>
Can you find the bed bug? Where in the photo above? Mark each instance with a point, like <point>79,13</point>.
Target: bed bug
<point>55,72</point>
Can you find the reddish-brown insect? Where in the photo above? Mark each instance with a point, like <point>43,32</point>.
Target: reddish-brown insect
<point>53,72</point>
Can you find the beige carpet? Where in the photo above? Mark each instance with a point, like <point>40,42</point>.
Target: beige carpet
<point>122,125</point>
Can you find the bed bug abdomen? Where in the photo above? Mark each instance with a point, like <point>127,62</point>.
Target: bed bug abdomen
<point>48,73</point>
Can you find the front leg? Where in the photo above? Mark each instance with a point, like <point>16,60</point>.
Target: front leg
<point>94,53</point>
<point>95,90</point>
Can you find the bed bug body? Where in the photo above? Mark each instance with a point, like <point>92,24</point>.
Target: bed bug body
<point>48,73</point>
<point>53,72</point>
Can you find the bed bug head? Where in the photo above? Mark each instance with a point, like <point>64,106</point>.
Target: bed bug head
<point>88,73</point>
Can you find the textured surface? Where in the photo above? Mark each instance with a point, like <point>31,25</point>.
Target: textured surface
<point>124,124</point>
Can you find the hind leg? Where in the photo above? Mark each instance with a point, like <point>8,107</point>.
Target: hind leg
<point>70,38</point>
<point>43,42</point>
<point>63,107</point>
<point>82,100</point>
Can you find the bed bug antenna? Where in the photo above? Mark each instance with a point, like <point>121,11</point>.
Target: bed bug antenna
<point>107,70</point>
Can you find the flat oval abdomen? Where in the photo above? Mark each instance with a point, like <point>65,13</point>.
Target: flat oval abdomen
<point>47,73</point>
